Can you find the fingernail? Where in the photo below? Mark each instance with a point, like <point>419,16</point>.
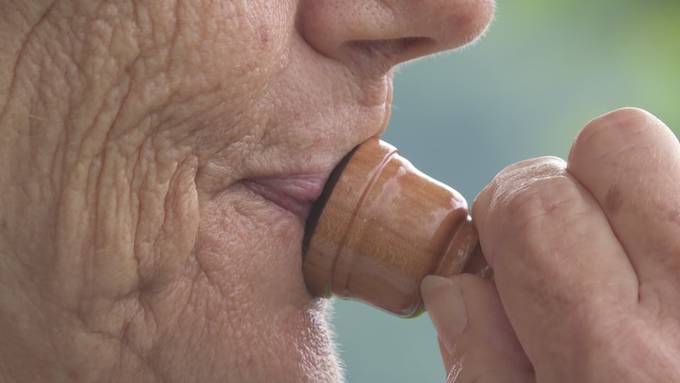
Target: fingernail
<point>446,307</point>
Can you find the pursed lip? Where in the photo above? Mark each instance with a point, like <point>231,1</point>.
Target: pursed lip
<point>294,193</point>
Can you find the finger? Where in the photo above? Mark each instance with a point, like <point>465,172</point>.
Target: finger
<point>630,162</point>
<point>557,263</point>
<point>476,340</point>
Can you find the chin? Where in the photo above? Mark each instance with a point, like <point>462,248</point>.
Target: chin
<point>272,329</point>
<point>314,353</point>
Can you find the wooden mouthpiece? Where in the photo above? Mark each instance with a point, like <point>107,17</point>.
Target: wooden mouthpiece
<point>381,227</point>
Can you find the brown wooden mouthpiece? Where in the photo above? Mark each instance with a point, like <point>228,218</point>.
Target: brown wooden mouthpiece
<point>381,227</point>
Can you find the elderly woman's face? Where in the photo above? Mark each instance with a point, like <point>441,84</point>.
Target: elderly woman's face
<point>166,157</point>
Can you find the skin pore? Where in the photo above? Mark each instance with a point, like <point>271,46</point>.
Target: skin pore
<point>133,244</point>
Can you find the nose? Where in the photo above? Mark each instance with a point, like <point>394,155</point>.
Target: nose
<point>374,35</point>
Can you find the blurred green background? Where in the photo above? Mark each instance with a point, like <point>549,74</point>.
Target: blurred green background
<point>543,70</point>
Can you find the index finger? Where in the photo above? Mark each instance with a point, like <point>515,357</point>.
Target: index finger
<point>557,263</point>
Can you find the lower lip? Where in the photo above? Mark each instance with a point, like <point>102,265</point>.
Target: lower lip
<point>295,194</point>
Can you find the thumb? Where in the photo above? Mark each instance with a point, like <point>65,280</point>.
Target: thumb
<point>475,338</point>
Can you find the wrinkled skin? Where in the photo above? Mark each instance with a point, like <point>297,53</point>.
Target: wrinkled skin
<point>144,148</point>
<point>131,245</point>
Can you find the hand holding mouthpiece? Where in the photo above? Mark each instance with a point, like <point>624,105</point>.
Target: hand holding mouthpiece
<point>381,227</point>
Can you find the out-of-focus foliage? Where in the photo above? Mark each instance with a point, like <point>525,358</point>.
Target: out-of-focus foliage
<point>544,69</point>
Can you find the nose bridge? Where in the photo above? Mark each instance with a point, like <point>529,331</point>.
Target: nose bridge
<point>383,33</point>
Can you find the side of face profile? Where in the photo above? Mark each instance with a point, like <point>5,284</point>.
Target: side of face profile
<point>157,163</point>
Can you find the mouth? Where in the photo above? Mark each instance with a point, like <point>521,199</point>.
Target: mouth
<point>295,194</point>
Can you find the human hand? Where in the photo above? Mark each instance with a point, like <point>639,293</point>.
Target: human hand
<point>586,255</point>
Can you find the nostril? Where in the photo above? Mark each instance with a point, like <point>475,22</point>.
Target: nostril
<point>389,47</point>
<point>389,51</point>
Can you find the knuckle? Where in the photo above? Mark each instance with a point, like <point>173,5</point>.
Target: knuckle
<point>615,134</point>
<point>542,200</point>
<point>532,198</point>
<point>536,225</point>
<point>534,165</point>
<point>623,121</point>
<point>519,178</point>
<point>491,201</point>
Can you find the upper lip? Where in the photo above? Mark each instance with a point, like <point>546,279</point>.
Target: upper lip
<point>297,191</point>
<point>294,193</point>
